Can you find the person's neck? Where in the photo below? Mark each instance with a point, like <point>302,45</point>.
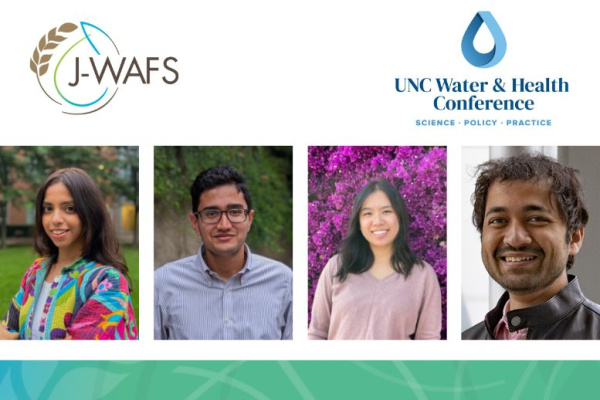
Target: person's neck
<point>382,255</point>
<point>382,262</point>
<point>63,259</point>
<point>531,299</point>
<point>226,266</point>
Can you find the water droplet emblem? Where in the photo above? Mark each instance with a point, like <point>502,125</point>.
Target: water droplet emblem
<point>483,60</point>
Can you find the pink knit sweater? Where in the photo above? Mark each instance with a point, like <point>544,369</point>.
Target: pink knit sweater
<point>364,307</point>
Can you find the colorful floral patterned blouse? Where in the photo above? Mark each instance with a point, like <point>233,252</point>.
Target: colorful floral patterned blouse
<point>87,300</point>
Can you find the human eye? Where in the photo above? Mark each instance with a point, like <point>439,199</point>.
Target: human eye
<point>236,212</point>
<point>211,214</point>
<point>46,208</point>
<point>387,211</point>
<point>537,219</point>
<point>495,221</point>
<point>70,209</point>
<point>366,214</point>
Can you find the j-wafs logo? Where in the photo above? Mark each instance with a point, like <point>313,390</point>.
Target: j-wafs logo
<point>494,56</point>
<point>80,68</point>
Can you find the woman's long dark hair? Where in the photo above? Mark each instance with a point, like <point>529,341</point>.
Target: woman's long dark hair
<point>356,255</point>
<point>100,239</point>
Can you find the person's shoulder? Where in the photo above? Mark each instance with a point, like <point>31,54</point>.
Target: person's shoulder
<point>425,269</point>
<point>335,260</point>
<point>269,263</point>
<point>92,271</point>
<point>93,268</point>
<point>333,265</point>
<point>175,267</point>
<point>35,266</point>
<point>32,270</point>
<point>593,307</point>
<point>272,268</point>
<point>476,332</point>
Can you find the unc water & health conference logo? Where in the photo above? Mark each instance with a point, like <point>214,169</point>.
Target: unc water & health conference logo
<point>80,68</point>
<point>494,56</point>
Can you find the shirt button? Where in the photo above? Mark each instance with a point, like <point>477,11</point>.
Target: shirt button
<point>515,321</point>
<point>228,321</point>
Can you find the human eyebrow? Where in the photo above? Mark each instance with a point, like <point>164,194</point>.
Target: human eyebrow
<point>234,206</point>
<point>494,210</point>
<point>537,208</point>
<point>209,208</point>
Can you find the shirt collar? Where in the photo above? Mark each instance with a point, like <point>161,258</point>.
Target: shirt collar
<point>47,263</point>
<point>503,331</point>
<point>210,273</point>
<point>565,301</point>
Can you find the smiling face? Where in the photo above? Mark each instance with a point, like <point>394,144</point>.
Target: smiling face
<point>60,219</point>
<point>378,221</point>
<point>223,239</point>
<point>523,239</point>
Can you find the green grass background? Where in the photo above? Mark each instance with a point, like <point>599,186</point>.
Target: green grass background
<point>15,260</point>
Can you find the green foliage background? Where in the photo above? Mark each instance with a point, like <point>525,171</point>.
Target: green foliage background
<point>268,172</point>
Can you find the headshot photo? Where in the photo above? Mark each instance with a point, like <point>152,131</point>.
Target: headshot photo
<point>377,243</point>
<point>69,243</point>
<point>223,243</point>
<point>534,276</point>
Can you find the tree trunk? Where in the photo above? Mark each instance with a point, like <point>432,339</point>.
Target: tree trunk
<point>136,237</point>
<point>3,224</point>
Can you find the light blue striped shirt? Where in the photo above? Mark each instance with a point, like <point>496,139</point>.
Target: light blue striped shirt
<point>193,302</point>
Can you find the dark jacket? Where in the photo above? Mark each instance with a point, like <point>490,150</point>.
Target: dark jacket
<point>567,315</point>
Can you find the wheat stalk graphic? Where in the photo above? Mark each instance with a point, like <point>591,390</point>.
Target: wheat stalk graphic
<point>42,54</point>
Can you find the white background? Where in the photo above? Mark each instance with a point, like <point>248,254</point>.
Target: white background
<point>300,74</point>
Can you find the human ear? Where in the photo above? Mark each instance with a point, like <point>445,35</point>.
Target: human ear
<point>576,241</point>
<point>194,221</point>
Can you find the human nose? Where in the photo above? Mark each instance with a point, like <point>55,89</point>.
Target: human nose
<point>224,222</point>
<point>517,235</point>
<point>377,218</point>
<point>57,217</point>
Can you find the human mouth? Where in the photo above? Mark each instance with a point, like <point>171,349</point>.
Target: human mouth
<point>514,260</point>
<point>58,233</point>
<point>379,233</point>
<point>224,236</point>
<point>517,259</point>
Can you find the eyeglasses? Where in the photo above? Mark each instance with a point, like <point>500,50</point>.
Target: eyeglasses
<point>212,216</point>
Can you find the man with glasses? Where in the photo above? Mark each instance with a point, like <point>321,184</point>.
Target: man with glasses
<point>225,291</point>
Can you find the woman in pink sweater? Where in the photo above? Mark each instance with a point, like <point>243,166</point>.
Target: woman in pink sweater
<point>376,287</point>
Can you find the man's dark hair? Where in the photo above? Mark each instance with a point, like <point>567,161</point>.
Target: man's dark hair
<point>218,176</point>
<point>564,184</point>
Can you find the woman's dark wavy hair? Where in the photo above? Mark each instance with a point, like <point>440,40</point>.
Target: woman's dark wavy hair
<point>100,239</point>
<point>356,255</point>
<point>564,185</point>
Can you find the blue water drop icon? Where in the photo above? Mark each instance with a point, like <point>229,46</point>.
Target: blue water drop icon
<point>475,58</point>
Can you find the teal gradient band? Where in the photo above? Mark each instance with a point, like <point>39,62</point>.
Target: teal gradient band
<point>298,379</point>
